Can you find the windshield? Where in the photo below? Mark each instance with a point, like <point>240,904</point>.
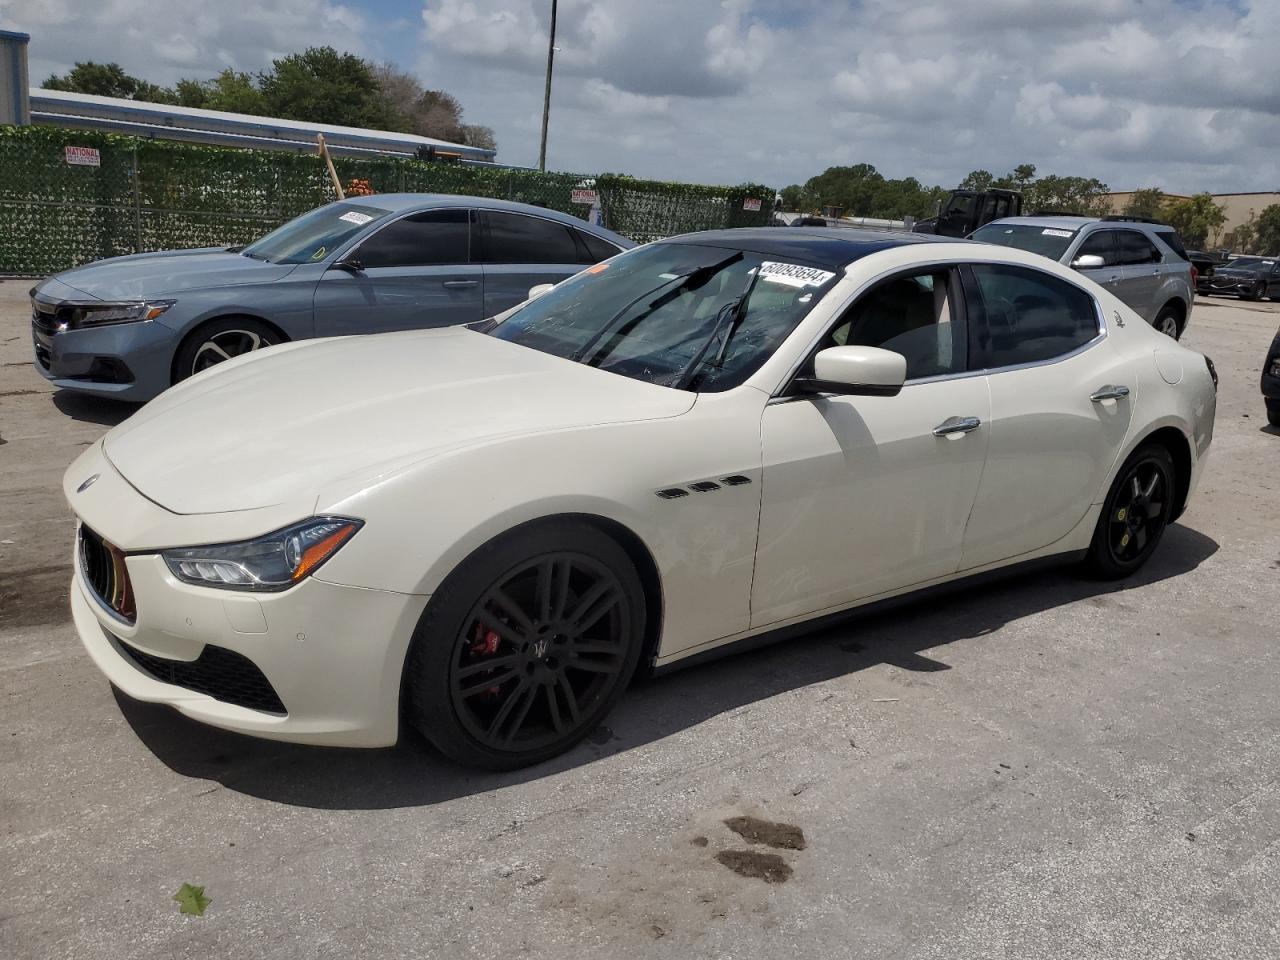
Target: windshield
<point>681,315</point>
<point>1051,242</point>
<point>1245,263</point>
<point>314,235</point>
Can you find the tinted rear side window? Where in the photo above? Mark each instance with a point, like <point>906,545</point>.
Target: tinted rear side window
<point>597,249</point>
<point>1029,316</point>
<point>1102,244</point>
<point>514,238</point>
<point>423,239</point>
<point>1173,242</point>
<point>1135,248</point>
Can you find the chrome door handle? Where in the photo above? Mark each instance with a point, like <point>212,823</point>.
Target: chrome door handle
<point>956,425</point>
<point>460,284</point>
<point>1109,392</point>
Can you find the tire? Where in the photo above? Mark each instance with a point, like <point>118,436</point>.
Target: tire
<point>218,340</point>
<point>1167,323</point>
<point>1134,515</point>
<point>562,647</point>
<point>1257,293</point>
<point>1273,412</point>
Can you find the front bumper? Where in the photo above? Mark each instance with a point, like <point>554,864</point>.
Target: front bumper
<point>1228,286</point>
<point>1270,379</point>
<point>128,361</point>
<point>331,656</point>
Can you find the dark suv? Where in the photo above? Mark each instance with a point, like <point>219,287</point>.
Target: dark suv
<point>1142,262</point>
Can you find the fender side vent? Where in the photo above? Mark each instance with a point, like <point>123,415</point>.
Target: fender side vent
<point>736,480</point>
<point>673,493</point>
<point>704,486</point>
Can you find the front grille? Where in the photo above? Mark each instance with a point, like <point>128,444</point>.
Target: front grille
<point>218,672</point>
<point>106,574</point>
<point>45,316</point>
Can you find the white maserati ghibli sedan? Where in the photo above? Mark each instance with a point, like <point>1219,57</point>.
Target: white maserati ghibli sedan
<point>488,530</point>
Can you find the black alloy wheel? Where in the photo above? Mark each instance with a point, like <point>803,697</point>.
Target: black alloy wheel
<point>1135,514</point>
<point>516,660</point>
<point>538,650</point>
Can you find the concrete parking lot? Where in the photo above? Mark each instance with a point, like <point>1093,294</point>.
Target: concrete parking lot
<point>1046,767</point>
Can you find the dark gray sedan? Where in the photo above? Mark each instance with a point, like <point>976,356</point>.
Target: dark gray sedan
<point>129,327</point>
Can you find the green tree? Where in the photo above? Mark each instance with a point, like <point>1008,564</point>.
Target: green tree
<point>476,135</point>
<point>1197,219</point>
<point>980,180</point>
<point>1243,237</point>
<point>794,198</point>
<point>1148,202</point>
<point>107,80</point>
<point>231,91</point>
<point>1268,231</point>
<point>1083,195</point>
<point>321,85</point>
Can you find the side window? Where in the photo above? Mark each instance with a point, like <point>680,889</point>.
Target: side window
<point>1101,244</point>
<point>913,315</point>
<point>596,248</point>
<point>422,239</point>
<point>1030,316</point>
<point>1136,249</point>
<point>515,238</point>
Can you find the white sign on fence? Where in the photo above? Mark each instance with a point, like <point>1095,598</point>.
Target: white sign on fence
<point>583,195</point>
<point>83,157</point>
<point>751,203</point>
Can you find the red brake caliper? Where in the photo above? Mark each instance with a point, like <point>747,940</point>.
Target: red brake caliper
<point>486,644</point>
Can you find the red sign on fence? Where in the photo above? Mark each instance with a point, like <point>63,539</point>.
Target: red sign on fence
<point>83,157</point>
<point>582,195</point>
<point>751,203</point>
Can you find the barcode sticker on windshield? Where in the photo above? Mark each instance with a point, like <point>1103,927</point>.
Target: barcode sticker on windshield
<point>359,219</point>
<point>793,274</point>
<point>1051,232</point>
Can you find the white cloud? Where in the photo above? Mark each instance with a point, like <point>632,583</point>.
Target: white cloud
<point>163,40</point>
<point>1184,94</point>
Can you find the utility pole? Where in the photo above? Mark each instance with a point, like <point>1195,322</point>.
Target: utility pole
<point>546,96</point>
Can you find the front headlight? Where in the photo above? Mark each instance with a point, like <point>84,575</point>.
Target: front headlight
<point>273,562</point>
<point>105,313</point>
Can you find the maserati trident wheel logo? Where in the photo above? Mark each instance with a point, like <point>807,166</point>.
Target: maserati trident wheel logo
<point>540,647</point>
<point>89,482</point>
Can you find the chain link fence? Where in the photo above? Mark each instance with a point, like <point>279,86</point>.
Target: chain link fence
<point>143,195</point>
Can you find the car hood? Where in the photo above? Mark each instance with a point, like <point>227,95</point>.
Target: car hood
<point>281,424</point>
<point>1237,273</point>
<point>161,274</point>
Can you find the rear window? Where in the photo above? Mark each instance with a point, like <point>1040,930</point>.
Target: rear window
<point>1051,242</point>
<point>1173,242</point>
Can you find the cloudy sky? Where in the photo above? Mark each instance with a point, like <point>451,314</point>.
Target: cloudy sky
<point>1181,94</point>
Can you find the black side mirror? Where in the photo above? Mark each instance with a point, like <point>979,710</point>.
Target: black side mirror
<point>350,263</point>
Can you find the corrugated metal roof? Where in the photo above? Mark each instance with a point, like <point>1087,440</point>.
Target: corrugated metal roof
<point>237,129</point>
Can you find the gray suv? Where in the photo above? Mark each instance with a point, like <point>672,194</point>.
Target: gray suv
<point>1142,262</point>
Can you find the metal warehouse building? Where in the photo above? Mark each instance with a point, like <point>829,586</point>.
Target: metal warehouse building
<point>163,121</point>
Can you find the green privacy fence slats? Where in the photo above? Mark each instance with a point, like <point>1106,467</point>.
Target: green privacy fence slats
<point>158,195</point>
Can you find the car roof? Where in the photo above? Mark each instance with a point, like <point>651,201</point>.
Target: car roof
<point>1059,222</point>
<point>824,247</point>
<point>409,202</point>
<point>1068,222</point>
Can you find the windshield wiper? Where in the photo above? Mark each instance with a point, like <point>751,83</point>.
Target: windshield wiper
<point>682,281</point>
<point>254,256</point>
<point>733,313</point>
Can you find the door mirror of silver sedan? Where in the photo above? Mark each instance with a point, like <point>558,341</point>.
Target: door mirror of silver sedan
<point>862,371</point>
<point>1088,261</point>
<point>350,263</point>
<point>536,291</point>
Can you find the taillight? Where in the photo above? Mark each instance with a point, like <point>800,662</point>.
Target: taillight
<point>1195,276</point>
